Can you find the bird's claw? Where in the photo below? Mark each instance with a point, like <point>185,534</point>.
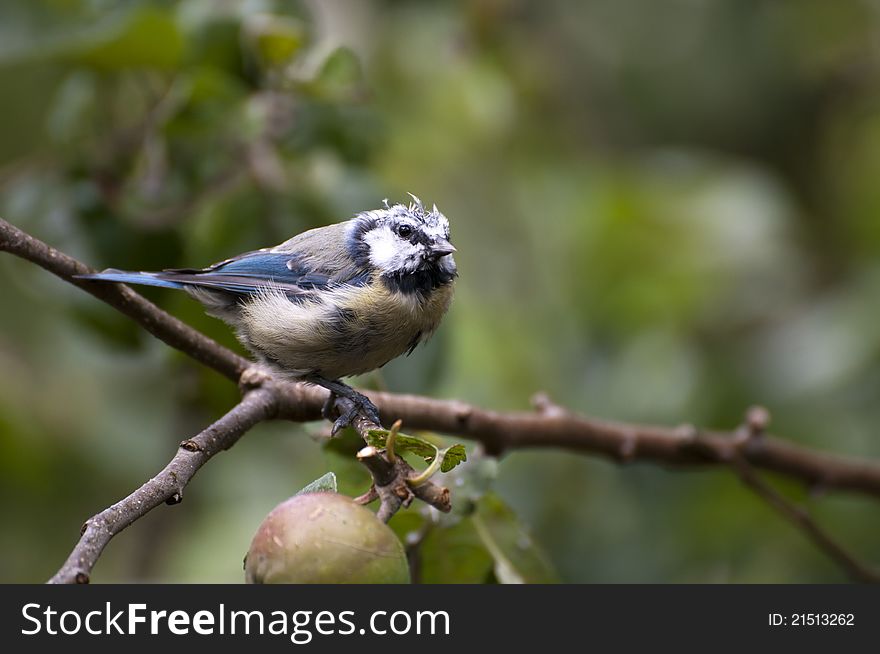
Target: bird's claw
<point>371,411</point>
<point>359,406</point>
<point>344,420</point>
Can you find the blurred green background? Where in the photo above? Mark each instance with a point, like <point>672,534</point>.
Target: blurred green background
<point>665,212</point>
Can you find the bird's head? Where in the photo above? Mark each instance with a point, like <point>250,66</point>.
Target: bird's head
<point>403,240</point>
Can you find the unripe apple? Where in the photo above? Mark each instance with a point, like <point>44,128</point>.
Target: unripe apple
<point>325,538</point>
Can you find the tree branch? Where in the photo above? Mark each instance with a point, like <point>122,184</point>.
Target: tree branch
<point>752,431</point>
<point>625,442</point>
<point>548,426</point>
<point>392,474</point>
<point>262,397</point>
<point>160,324</point>
<point>800,518</point>
<point>391,485</point>
<point>256,405</point>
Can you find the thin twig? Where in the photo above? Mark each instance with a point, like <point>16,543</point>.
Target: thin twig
<point>754,429</point>
<point>160,324</point>
<point>391,475</point>
<point>801,519</point>
<point>258,404</point>
<point>390,482</point>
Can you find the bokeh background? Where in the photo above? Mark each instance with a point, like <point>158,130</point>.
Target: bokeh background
<point>665,212</point>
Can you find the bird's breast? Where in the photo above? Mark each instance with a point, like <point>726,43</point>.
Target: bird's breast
<point>346,331</point>
<point>381,324</point>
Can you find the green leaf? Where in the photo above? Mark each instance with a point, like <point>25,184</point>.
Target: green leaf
<point>340,455</point>
<point>403,443</point>
<point>449,458</point>
<point>148,37</point>
<point>407,524</point>
<point>518,559</point>
<point>276,39</point>
<point>341,69</point>
<point>339,79</point>
<point>454,555</point>
<point>324,484</point>
<point>346,443</point>
<point>473,480</point>
<point>452,456</point>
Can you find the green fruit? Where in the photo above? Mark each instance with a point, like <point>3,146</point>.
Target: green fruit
<point>324,538</point>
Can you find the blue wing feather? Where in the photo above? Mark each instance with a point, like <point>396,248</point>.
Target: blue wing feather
<point>243,275</point>
<point>126,277</point>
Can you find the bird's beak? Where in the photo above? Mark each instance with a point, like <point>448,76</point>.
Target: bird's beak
<point>440,247</point>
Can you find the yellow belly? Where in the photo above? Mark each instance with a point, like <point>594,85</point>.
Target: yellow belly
<point>348,331</point>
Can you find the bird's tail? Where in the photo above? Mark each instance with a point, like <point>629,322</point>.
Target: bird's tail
<point>127,277</point>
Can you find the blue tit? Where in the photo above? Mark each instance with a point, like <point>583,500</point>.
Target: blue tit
<point>330,302</point>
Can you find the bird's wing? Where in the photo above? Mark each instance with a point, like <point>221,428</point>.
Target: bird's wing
<point>314,260</point>
<point>252,272</point>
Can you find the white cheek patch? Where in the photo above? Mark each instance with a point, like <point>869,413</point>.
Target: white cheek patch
<point>382,247</point>
<point>390,252</point>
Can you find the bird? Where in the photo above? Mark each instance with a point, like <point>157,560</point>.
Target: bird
<point>331,302</point>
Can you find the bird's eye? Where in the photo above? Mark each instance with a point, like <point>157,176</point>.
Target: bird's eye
<point>404,231</point>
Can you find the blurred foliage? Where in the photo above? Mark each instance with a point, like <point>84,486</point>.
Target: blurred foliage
<point>664,212</point>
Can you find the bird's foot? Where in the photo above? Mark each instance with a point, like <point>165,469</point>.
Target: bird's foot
<point>355,404</point>
<point>359,405</point>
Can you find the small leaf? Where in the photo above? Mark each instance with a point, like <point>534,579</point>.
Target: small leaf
<point>340,71</point>
<point>346,443</point>
<point>452,456</point>
<point>324,484</point>
<point>518,559</point>
<point>408,525</point>
<point>276,39</point>
<point>472,480</point>
<point>449,458</point>
<point>352,478</point>
<point>403,443</point>
<point>454,555</point>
